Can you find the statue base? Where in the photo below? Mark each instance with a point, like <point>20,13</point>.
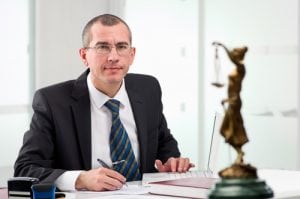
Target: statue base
<point>251,188</point>
<point>238,171</point>
<point>240,181</point>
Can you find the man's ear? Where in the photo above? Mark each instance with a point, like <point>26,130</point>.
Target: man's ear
<point>82,53</point>
<point>132,55</point>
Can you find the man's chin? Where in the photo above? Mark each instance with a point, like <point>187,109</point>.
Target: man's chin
<point>115,80</point>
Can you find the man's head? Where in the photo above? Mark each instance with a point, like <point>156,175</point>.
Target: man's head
<point>106,20</point>
<point>107,52</point>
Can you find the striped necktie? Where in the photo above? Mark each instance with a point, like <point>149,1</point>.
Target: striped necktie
<point>120,146</point>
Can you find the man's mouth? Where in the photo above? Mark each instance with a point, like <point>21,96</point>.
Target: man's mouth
<point>113,67</point>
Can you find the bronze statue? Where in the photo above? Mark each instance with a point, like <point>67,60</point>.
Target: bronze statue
<point>232,127</point>
<point>240,180</point>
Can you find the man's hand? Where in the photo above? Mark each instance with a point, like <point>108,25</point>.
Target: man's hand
<point>100,179</point>
<point>174,165</point>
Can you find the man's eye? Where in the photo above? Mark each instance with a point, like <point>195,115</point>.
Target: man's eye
<point>122,47</point>
<point>102,47</point>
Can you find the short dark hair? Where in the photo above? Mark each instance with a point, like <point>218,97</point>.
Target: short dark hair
<point>106,20</point>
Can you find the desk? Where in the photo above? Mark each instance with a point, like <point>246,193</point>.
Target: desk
<point>285,184</point>
<point>3,193</point>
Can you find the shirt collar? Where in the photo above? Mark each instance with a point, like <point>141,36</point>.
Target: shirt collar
<point>98,98</point>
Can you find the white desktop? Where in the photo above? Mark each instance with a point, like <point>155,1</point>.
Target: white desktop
<point>285,184</point>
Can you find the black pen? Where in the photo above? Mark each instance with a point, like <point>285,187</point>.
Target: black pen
<point>102,163</point>
<point>106,165</point>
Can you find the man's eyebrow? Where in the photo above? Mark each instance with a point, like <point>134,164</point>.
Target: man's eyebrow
<point>106,43</point>
<point>122,43</point>
<point>101,43</point>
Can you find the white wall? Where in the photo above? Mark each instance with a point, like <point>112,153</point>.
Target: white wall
<point>14,81</point>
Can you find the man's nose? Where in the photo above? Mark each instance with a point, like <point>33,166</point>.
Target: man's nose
<point>113,54</point>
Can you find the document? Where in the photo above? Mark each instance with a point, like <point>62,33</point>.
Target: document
<point>132,188</point>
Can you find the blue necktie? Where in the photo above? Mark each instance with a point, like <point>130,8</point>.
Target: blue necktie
<point>120,146</point>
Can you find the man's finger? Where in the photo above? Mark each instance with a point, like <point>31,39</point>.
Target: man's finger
<point>181,164</point>
<point>186,164</point>
<point>159,166</point>
<point>173,164</point>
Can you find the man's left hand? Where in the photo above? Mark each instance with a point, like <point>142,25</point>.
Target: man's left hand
<point>174,165</point>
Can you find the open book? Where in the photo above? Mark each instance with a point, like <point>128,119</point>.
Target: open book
<point>194,187</point>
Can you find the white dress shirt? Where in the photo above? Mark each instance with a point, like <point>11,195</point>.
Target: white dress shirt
<point>101,125</point>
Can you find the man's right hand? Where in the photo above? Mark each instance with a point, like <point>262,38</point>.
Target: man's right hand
<point>100,179</point>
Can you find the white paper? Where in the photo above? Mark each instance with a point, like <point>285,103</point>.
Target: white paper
<point>131,189</point>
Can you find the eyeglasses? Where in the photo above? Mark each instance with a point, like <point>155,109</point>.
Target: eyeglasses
<point>105,49</point>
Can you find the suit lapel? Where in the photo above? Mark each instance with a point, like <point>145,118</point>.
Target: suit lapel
<point>82,116</point>
<point>138,108</point>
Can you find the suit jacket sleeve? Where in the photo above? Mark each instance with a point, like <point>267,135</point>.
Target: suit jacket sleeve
<point>37,155</point>
<point>58,139</point>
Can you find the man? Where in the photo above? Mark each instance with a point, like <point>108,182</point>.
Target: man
<point>73,122</point>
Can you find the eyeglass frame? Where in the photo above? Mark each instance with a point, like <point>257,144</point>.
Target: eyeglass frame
<point>99,44</point>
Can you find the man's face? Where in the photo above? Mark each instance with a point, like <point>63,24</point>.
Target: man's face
<point>106,57</point>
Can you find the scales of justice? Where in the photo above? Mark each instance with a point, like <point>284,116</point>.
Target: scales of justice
<point>240,180</point>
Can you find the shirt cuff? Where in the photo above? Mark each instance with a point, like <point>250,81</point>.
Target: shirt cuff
<point>66,181</point>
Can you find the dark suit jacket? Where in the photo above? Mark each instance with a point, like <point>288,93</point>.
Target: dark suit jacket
<point>59,138</point>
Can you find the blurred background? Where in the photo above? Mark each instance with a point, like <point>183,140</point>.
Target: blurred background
<point>40,42</point>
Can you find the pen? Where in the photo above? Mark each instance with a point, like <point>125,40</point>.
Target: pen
<point>102,163</point>
<point>106,166</point>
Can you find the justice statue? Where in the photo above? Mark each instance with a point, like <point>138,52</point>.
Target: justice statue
<point>240,180</point>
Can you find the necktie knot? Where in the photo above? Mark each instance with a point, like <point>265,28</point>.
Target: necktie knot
<point>113,105</point>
